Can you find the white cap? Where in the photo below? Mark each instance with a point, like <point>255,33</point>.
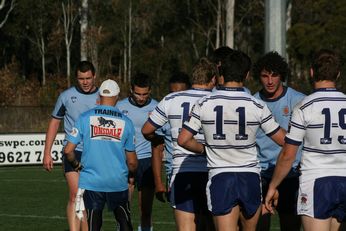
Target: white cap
<point>109,88</point>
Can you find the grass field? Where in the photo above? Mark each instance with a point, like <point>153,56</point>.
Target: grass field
<point>33,199</point>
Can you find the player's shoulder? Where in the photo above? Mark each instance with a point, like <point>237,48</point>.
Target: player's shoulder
<point>294,93</point>
<point>123,101</point>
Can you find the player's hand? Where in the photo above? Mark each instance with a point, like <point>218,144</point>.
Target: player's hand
<point>271,199</point>
<point>47,162</point>
<point>160,193</point>
<point>131,184</point>
<point>76,165</point>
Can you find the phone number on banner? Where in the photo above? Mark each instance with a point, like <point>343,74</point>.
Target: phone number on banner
<point>21,149</point>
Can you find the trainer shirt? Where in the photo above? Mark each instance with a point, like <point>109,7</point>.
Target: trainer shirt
<point>71,104</point>
<point>320,121</point>
<point>175,109</point>
<point>138,115</point>
<point>106,134</point>
<point>230,118</point>
<point>281,109</point>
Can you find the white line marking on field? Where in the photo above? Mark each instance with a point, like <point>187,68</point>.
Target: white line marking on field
<point>64,218</point>
<point>33,180</point>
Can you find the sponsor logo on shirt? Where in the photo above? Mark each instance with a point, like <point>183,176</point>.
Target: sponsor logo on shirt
<point>106,128</point>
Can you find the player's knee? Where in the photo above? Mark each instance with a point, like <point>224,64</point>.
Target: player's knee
<point>122,215</point>
<point>94,219</point>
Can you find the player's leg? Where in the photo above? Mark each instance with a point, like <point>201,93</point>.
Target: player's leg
<point>203,217</point>
<point>223,199</point>
<point>72,182</point>
<point>145,202</point>
<point>118,203</point>
<point>146,192</point>
<point>249,191</point>
<point>185,200</point>
<point>94,204</point>
<point>313,224</point>
<point>287,204</point>
<point>228,222</point>
<point>263,223</point>
<point>250,223</point>
<point>185,221</point>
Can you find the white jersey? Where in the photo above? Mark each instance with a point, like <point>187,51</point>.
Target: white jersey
<point>229,118</point>
<point>320,121</point>
<point>175,109</point>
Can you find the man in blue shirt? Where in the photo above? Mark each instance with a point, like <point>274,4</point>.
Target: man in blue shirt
<point>108,159</point>
<point>272,70</point>
<point>138,107</point>
<point>69,106</point>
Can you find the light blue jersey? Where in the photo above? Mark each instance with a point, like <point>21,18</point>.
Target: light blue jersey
<point>138,115</point>
<point>71,104</point>
<point>106,134</point>
<point>281,108</point>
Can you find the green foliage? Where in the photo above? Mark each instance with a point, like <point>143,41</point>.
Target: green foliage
<point>315,25</point>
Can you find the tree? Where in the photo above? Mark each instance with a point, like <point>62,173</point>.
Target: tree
<point>2,6</point>
<point>83,30</point>
<point>230,23</point>
<point>69,21</point>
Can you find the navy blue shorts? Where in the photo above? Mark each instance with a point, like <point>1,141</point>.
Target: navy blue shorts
<point>229,189</point>
<point>188,192</point>
<point>330,197</point>
<point>144,175</point>
<point>288,191</point>
<point>66,165</point>
<point>97,200</point>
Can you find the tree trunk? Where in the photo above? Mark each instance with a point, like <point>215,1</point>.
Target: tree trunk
<point>130,41</point>
<point>218,24</point>
<point>2,5</point>
<point>230,23</point>
<point>43,61</point>
<point>83,31</point>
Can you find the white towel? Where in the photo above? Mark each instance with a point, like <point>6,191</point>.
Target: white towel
<point>79,205</point>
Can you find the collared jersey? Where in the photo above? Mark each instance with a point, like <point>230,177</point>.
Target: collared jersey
<point>230,118</point>
<point>139,116</point>
<point>175,109</point>
<point>71,104</point>
<point>106,134</point>
<point>281,109</point>
<point>320,121</point>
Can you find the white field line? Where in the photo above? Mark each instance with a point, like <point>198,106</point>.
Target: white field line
<point>64,218</point>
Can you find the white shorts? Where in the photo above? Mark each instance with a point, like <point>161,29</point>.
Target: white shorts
<point>323,197</point>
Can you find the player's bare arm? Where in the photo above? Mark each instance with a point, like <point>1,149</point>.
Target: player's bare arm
<point>71,157</point>
<point>186,140</point>
<point>132,162</point>
<point>279,137</point>
<point>283,166</point>
<point>50,137</point>
<point>156,163</point>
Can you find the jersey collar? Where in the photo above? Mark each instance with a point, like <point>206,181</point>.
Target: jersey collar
<point>133,102</point>
<point>86,93</point>
<point>262,96</point>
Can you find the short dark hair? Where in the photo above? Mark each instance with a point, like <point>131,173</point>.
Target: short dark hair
<point>220,54</point>
<point>204,71</point>
<point>180,77</point>
<point>271,62</point>
<point>236,67</point>
<point>140,80</point>
<point>84,66</point>
<point>325,65</point>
